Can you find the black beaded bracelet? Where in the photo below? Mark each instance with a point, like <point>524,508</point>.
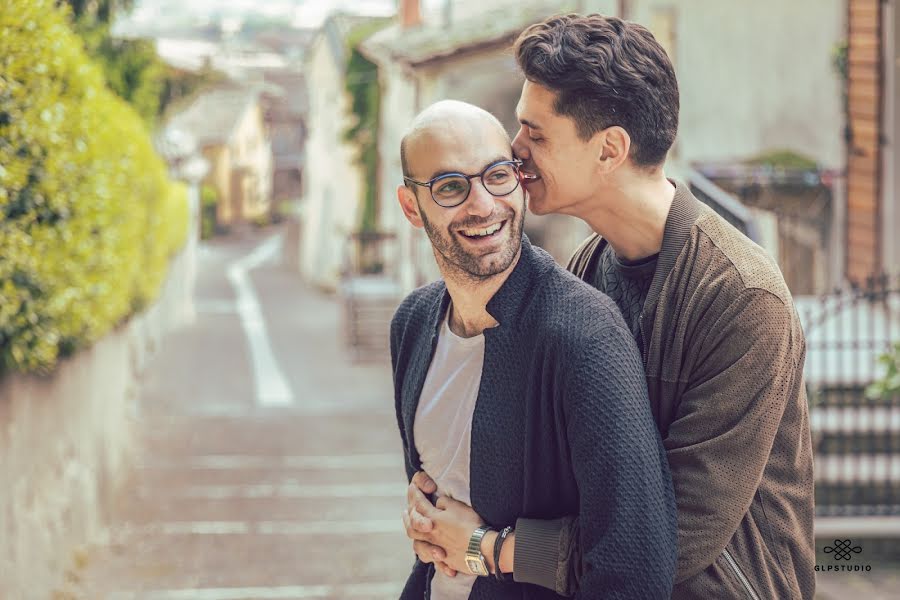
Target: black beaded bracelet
<point>498,546</point>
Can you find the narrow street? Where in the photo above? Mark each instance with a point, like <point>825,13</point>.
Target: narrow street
<point>269,465</point>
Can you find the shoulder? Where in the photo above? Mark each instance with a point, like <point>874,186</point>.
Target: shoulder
<point>583,255</point>
<point>417,304</point>
<point>570,312</point>
<point>734,288</point>
<point>728,254</point>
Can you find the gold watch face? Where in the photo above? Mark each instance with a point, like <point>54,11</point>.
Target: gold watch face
<point>476,566</point>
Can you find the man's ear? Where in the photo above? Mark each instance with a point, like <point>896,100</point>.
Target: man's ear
<point>410,206</point>
<point>613,146</point>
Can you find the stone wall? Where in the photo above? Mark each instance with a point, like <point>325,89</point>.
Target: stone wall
<point>66,443</point>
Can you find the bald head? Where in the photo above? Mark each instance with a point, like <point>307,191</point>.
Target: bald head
<point>445,120</point>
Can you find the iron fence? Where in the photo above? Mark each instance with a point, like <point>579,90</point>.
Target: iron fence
<point>856,434</point>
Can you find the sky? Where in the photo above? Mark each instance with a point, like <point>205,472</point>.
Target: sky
<point>303,13</point>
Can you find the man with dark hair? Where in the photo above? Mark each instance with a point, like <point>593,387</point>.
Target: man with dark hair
<point>719,336</point>
<point>517,386</point>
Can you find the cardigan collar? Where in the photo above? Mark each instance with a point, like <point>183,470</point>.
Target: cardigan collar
<point>510,299</point>
<point>682,215</point>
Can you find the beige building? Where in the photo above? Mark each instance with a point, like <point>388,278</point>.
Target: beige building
<point>332,180</point>
<point>228,126</point>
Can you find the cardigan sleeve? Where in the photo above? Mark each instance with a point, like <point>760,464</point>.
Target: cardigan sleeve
<point>627,528</point>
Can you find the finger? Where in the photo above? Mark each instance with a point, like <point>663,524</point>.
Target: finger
<point>418,500</point>
<point>424,482</point>
<point>424,551</point>
<point>445,502</point>
<point>445,569</point>
<point>411,531</point>
<point>420,523</point>
<point>437,553</point>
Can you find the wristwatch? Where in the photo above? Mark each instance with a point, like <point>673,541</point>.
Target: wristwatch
<point>474,557</point>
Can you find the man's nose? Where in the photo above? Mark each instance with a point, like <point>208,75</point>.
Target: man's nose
<point>480,201</point>
<point>520,148</point>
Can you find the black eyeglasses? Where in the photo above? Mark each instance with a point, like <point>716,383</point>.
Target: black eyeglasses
<point>452,189</point>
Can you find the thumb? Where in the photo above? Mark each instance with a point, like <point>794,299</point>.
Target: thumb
<point>425,483</point>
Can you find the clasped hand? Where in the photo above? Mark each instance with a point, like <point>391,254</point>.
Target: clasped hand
<point>441,531</point>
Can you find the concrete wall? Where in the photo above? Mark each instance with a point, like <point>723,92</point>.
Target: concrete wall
<point>753,76</point>
<point>66,443</point>
<point>332,182</point>
<point>398,107</point>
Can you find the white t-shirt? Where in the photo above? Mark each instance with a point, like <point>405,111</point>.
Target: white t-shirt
<point>443,431</point>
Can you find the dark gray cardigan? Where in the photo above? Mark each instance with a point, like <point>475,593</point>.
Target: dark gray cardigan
<point>562,426</point>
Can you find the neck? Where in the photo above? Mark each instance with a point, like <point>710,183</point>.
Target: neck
<point>632,215</point>
<point>470,295</point>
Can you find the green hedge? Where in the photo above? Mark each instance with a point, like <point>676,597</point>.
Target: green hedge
<point>88,217</point>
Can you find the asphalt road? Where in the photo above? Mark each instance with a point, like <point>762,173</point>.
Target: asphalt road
<point>269,463</point>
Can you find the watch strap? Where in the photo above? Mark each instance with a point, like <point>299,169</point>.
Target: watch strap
<point>473,552</point>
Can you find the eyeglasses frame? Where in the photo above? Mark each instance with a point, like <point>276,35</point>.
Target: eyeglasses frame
<point>515,162</point>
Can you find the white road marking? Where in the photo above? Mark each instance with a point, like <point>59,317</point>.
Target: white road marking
<point>331,527</point>
<point>309,407</point>
<point>370,591</point>
<point>285,490</point>
<point>857,468</point>
<point>857,419</point>
<point>866,527</point>
<point>371,526</point>
<point>272,388</point>
<point>305,462</point>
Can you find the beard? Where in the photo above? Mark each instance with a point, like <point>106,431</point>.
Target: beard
<point>450,252</point>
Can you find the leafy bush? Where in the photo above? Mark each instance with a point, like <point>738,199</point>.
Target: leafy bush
<point>361,77</point>
<point>131,67</point>
<point>889,384</point>
<point>209,201</point>
<point>784,159</point>
<point>88,217</point>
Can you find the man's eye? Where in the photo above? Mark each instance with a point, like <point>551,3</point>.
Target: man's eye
<point>451,187</point>
<point>498,176</point>
<point>536,139</point>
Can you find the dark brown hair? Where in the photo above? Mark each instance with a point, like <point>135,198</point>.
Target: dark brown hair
<point>606,72</point>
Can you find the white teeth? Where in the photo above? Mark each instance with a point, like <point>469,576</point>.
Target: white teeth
<point>483,232</point>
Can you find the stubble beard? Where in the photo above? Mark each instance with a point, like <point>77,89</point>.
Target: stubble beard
<point>455,261</point>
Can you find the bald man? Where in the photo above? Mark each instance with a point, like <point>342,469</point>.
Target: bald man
<point>517,387</point>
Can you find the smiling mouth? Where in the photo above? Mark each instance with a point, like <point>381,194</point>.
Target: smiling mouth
<point>483,233</point>
<point>528,176</point>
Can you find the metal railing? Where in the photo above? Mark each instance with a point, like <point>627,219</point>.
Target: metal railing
<point>726,205</point>
<point>856,435</point>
